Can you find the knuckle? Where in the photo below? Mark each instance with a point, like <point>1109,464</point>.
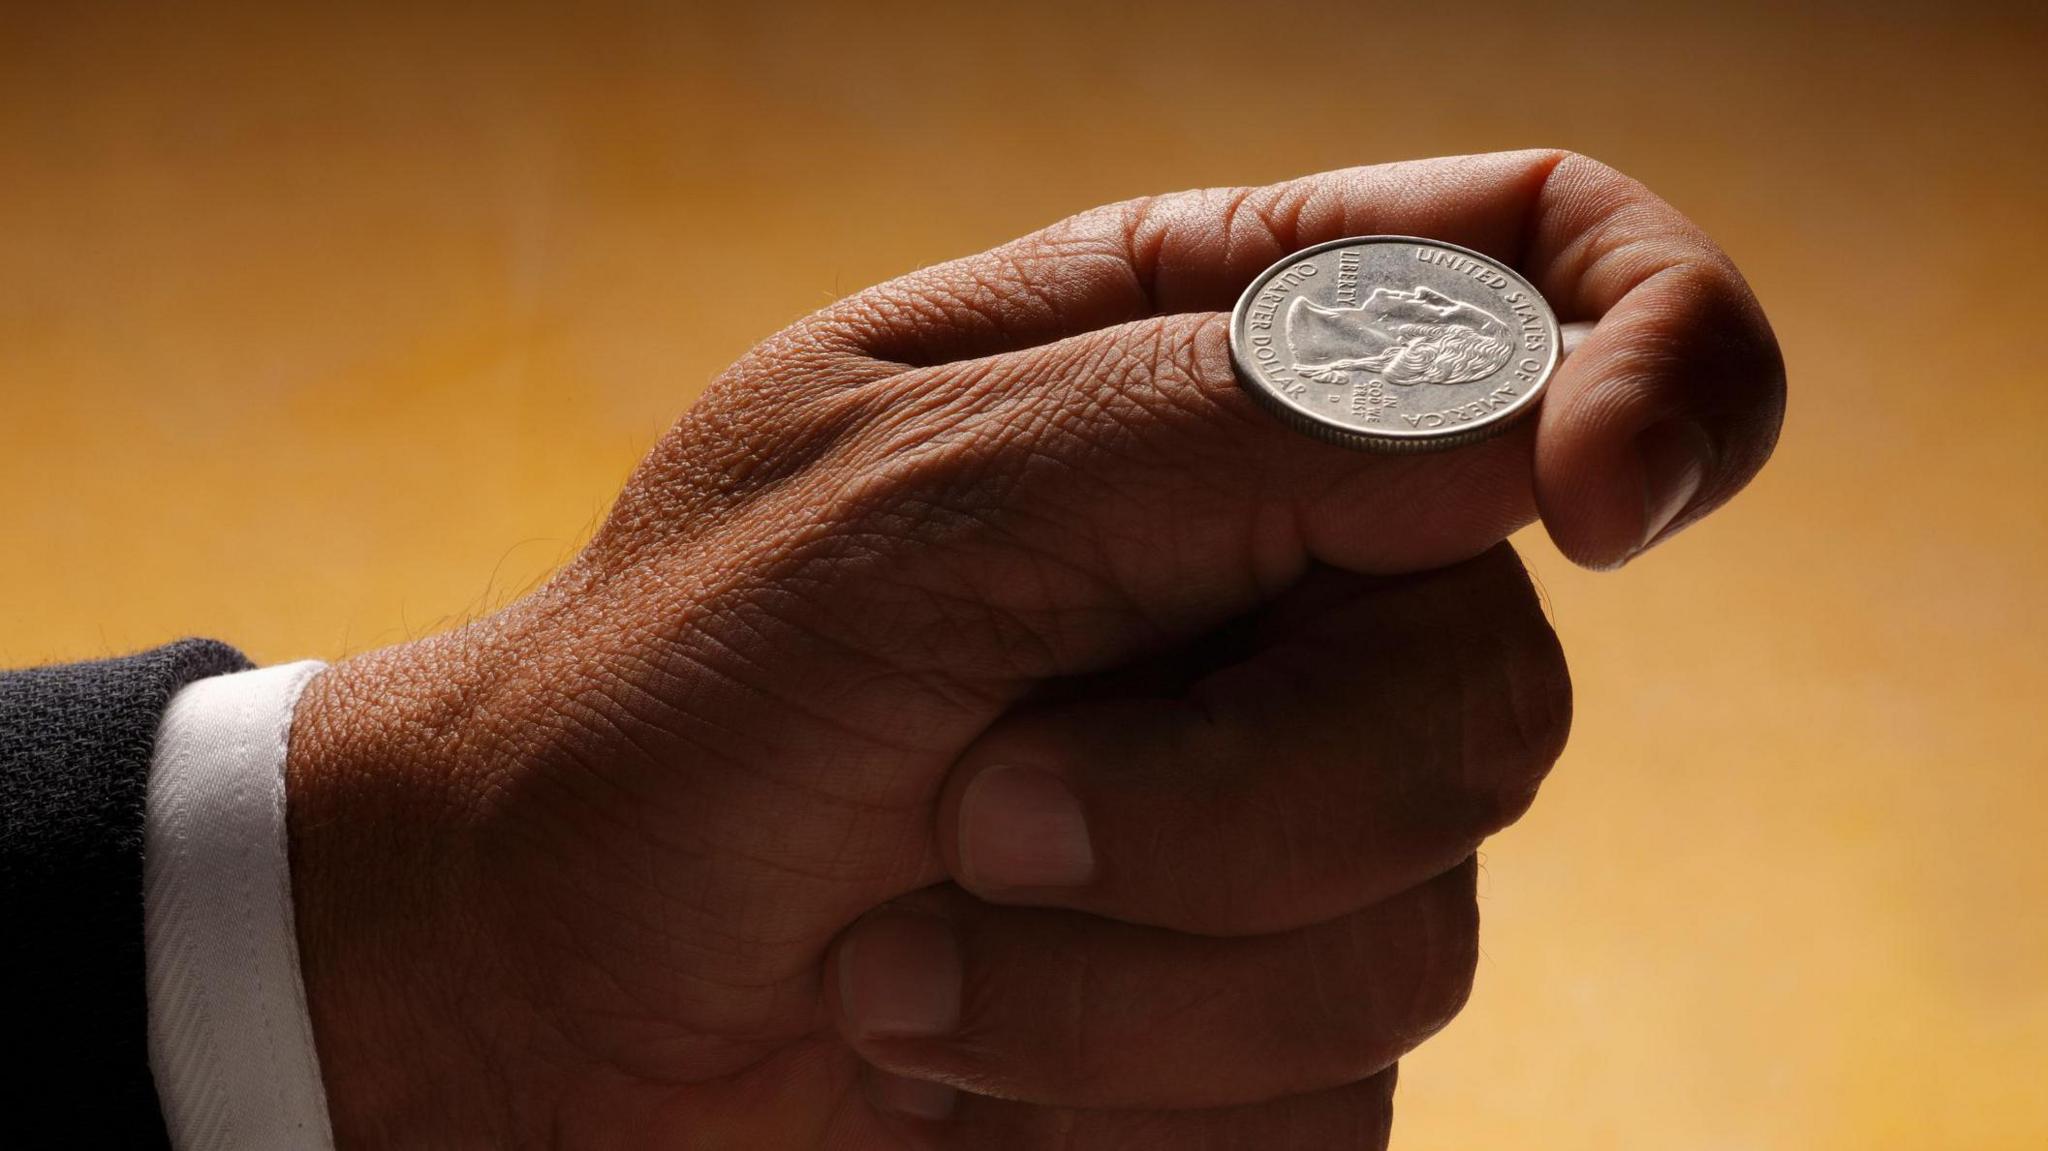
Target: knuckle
<point>1412,959</point>
<point>1447,916</point>
<point>1525,698</point>
<point>1538,687</point>
<point>1513,689</point>
<point>1701,345</point>
<point>1733,362</point>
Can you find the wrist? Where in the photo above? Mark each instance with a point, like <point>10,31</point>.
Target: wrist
<point>386,902</point>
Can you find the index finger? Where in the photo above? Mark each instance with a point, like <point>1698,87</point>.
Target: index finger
<point>1668,408</point>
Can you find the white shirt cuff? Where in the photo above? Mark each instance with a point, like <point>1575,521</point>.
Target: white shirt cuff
<point>230,1042</point>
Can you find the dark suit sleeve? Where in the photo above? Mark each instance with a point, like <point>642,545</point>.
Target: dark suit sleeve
<point>75,747</point>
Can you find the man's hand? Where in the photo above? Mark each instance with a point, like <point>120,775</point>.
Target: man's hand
<point>978,688</point>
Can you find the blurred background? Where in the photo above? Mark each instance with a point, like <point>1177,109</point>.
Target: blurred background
<point>320,331</point>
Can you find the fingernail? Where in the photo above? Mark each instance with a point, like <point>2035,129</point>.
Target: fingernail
<point>1020,827</point>
<point>1676,457</point>
<point>899,976</point>
<point>919,1098</point>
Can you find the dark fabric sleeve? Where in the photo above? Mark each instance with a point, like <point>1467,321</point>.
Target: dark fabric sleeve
<point>75,747</point>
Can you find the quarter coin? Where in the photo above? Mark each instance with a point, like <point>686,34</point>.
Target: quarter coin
<point>1394,343</point>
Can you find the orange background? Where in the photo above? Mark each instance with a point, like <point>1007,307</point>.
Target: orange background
<point>318,332</point>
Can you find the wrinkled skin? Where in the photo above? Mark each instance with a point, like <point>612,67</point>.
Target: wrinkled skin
<point>705,843</point>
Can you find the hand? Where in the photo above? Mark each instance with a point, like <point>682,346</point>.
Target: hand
<point>977,688</point>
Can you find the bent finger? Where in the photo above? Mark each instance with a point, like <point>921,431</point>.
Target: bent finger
<point>1064,1009</point>
<point>1356,1117</point>
<point>1673,402</point>
<point>1337,765</point>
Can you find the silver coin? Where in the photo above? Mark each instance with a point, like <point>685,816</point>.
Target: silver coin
<point>1394,343</point>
